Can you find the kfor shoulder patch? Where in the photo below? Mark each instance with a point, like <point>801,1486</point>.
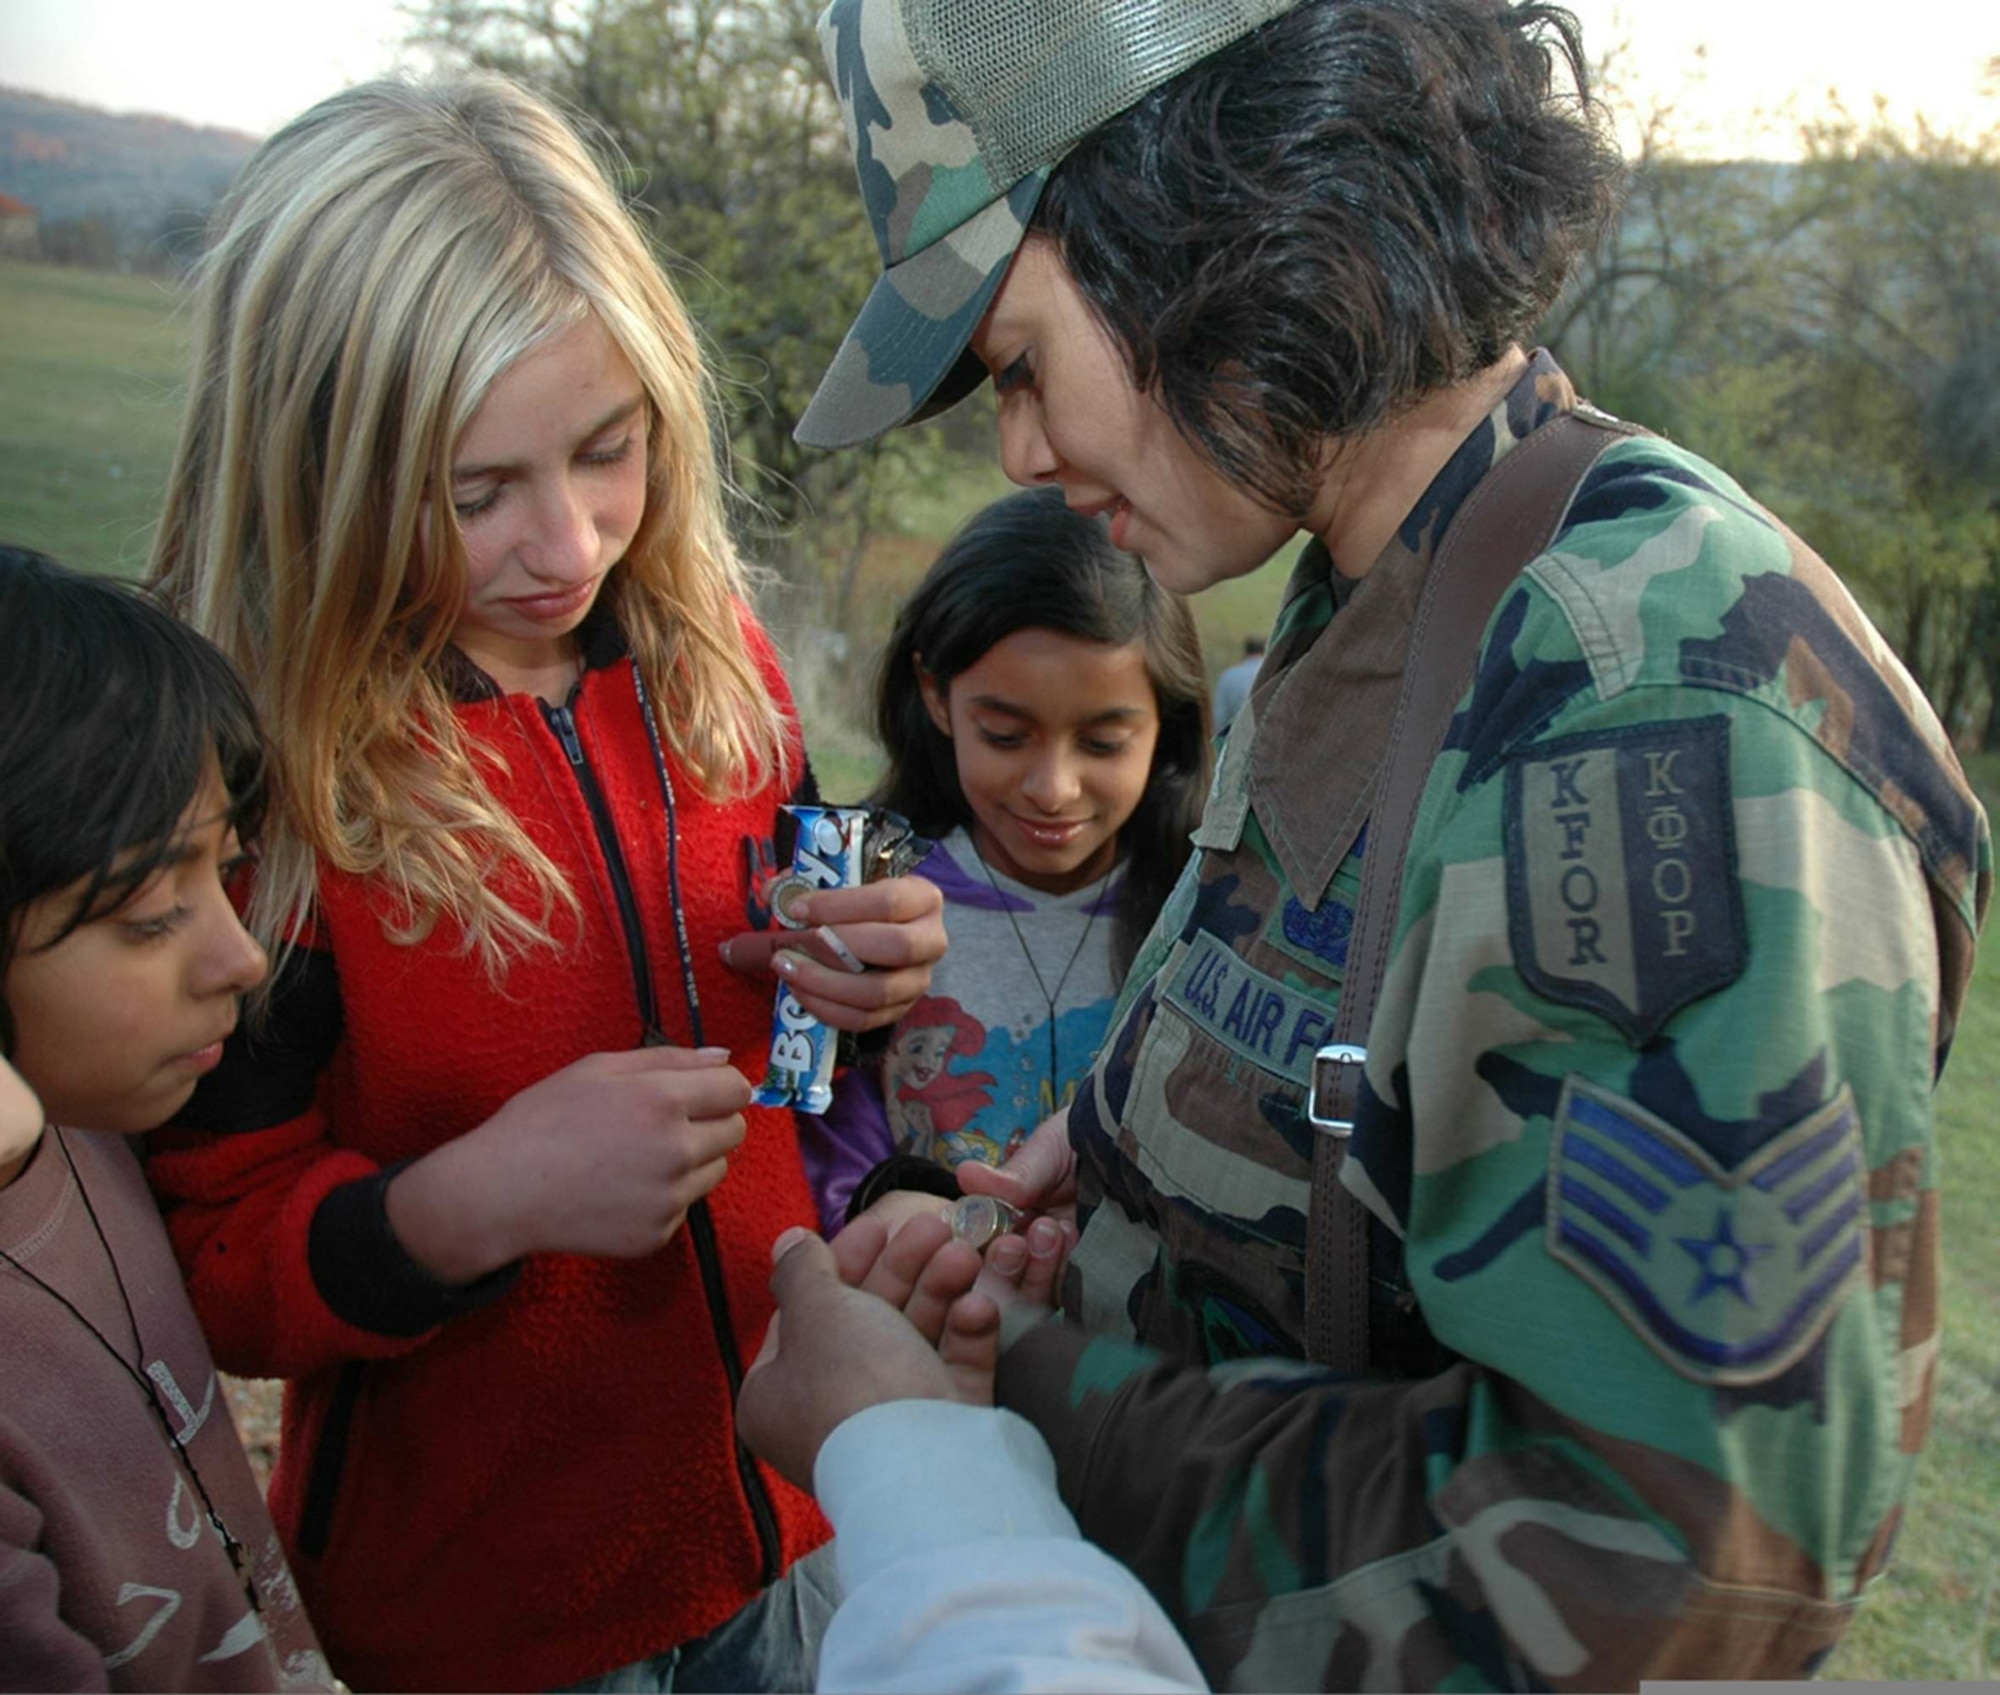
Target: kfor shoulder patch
<point>1621,870</point>
<point>1729,1276</point>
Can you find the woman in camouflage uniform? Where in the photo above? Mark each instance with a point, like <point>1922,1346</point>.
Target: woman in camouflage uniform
<point>1644,1153</point>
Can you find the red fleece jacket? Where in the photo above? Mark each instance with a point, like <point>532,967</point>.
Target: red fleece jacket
<point>536,1480</point>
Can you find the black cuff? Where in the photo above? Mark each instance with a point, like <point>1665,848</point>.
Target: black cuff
<point>367,1276</point>
<point>903,1171</point>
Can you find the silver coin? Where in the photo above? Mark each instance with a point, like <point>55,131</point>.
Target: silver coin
<point>786,898</point>
<point>978,1219</point>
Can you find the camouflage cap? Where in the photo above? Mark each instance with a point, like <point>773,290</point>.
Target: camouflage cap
<point>956,110</point>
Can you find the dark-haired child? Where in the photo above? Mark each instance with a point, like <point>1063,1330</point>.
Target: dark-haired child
<point>135,1549</point>
<point>1044,709</point>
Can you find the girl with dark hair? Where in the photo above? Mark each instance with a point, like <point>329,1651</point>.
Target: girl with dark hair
<point>1044,709</point>
<point>134,1545</point>
<point>1507,1194</point>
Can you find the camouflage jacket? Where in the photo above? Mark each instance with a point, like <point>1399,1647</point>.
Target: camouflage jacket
<point>1686,921</point>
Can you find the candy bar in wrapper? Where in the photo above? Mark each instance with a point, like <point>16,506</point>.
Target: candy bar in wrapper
<point>889,847</point>
<point>829,853</point>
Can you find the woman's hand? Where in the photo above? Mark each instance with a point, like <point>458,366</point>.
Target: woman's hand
<point>903,1250</point>
<point>1041,1177</point>
<point>895,928</point>
<point>604,1157</point>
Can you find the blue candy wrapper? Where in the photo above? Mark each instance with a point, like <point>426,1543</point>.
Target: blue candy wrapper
<point>827,855</point>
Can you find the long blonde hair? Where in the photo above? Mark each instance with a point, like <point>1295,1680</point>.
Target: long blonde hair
<point>377,265</point>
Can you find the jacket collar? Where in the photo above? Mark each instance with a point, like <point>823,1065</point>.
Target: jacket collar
<point>600,639</point>
<point>1341,654</point>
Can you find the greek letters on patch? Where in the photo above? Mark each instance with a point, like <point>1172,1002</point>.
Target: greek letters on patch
<point>1621,870</point>
<point>1729,1276</point>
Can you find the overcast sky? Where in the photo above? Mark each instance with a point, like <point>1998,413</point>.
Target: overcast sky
<point>250,64</point>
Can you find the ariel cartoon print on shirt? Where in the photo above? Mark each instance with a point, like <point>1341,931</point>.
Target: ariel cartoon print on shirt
<point>929,1105</point>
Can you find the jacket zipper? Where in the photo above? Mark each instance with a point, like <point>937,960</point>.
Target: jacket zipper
<point>563,722</point>
<point>701,1226</point>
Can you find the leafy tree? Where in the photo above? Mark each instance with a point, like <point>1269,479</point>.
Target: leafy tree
<point>1904,308</point>
<point>176,242</point>
<point>1829,332</point>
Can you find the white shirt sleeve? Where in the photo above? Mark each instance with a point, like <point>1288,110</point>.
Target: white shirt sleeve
<point>963,1571</point>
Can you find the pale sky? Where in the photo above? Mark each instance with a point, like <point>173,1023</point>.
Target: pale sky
<point>250,64</point>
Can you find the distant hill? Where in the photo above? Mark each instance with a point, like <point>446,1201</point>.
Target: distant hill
<point>133,172</point>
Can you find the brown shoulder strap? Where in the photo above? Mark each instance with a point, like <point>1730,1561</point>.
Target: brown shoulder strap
<point>1503,524</point>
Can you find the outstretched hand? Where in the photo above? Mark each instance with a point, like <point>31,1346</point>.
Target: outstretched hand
<point>841,1341</point>
<point>909,1257</point>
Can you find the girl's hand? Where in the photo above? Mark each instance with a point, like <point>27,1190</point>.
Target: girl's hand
<point>921,1270</point>
<point>895,928</point>
<point>957,1299</point>
<point>938,1284</point>
<point>1040,1178</point>
<point>604,1157</point>
<point>913,1262</point>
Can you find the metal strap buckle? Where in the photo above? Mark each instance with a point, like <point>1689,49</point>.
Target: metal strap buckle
<point>1320,1099</point>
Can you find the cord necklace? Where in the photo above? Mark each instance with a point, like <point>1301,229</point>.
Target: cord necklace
<point>1048,998</point>
<point>238,1556</point>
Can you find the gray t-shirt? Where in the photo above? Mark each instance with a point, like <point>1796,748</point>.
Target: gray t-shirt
<point>979,1062</point>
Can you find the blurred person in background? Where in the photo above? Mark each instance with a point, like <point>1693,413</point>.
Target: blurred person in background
<point>1232,688</point>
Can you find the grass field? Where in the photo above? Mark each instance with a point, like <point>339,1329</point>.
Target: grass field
<point>90,380</point>
<point>89,376</point>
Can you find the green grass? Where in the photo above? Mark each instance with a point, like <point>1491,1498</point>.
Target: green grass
<point>91,368</point>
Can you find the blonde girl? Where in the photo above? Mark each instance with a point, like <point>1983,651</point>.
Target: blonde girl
<point>483,1182</point>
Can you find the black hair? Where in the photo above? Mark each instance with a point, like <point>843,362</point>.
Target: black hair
<point>1358,204</point>
<point>1027,562</point>
<point>114,711</point>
